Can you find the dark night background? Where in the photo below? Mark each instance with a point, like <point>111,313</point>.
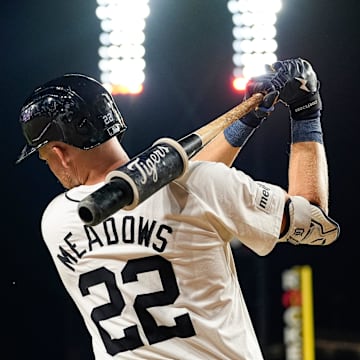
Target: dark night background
<point>188,54</point>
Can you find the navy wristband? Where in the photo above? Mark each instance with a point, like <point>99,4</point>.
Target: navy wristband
<point>238,133</point>
<point>306,130</point>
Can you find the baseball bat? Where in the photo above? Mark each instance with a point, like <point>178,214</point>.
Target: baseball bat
<point>146,173</point>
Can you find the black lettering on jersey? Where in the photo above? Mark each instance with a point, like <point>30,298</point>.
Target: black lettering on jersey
<point>134,230</point>
<point>264,198</point>
<point>145,232</point>
<point>92,236</point>
<point>161,247</point>
<point>73,246</point>
<point>66,258</point>
<point>128,228</point>
<point>110,231</point>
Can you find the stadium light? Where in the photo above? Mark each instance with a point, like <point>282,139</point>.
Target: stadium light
<point>254,38</point>
<point>121,51</point>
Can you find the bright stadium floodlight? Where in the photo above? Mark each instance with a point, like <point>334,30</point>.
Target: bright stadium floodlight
<point>254,42</point>
<point>121,48</point>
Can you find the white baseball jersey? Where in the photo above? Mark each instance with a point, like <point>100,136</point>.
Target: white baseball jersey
<point>159,281</point>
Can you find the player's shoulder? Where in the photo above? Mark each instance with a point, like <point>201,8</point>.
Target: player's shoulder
<point>198,166</point>
<point>203,175</point>
<point>58,200</point>
<point>65,204</point>
<point>208,170</point>
<point>55,209</point>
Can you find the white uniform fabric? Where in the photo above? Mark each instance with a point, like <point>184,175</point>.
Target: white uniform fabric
<point>159,281</point>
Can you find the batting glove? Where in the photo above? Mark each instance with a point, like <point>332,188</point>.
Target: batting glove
<point>261,84</point>
<point>298,85</point>
<point>238,133</point>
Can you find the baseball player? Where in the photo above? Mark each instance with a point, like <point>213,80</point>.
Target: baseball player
<point>159,281</point>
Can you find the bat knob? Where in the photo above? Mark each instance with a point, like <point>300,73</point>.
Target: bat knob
<point>105,201</point>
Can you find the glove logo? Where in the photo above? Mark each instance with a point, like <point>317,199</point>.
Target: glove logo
<point>303,84</point>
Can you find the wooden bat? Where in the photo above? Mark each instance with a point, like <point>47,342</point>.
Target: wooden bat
<point>157,166</point>
<point>209,131</point>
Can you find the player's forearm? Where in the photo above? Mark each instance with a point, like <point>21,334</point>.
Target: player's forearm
<point>308,173</point>
<point>218,150</point>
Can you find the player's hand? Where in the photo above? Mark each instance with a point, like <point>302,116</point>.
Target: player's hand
<point>239,132</point>
<point>298,85</point>
<point>261,84</point>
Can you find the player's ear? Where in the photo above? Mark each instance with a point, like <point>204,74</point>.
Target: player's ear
<point>61,154</point>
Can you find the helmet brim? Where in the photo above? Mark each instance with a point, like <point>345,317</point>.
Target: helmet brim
<point>25,152</point>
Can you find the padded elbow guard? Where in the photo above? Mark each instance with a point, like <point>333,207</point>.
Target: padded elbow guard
<point>308,224</point>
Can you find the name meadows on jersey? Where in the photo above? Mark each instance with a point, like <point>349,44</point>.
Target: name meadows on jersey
<point>132,230</point>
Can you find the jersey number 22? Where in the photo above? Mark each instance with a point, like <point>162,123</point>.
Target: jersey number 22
<point>153,332</point>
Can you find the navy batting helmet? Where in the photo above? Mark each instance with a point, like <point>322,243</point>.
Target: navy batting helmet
<point>74,109</point>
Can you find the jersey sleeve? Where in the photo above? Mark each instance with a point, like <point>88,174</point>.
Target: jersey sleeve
<point>236,204</point>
